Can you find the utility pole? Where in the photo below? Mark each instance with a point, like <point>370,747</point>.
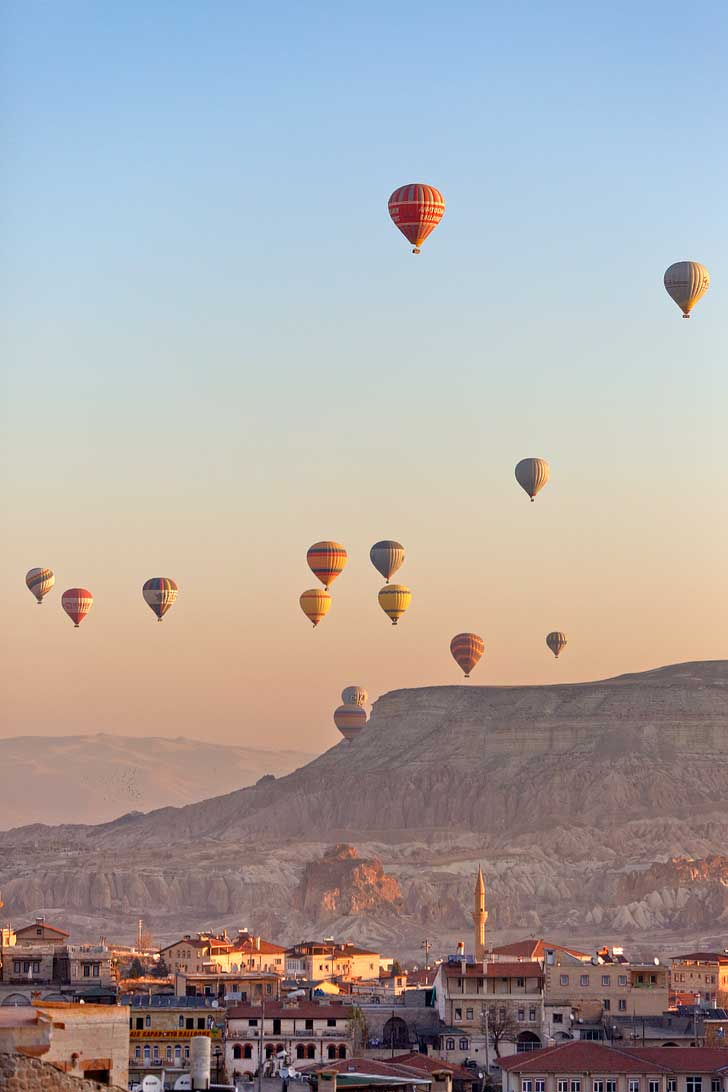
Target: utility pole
<point>261,1045</point>
<point>487,1049</point>
<point>427,945</point>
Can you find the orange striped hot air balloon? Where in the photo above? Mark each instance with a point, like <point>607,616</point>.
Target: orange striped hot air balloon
<point>466,649</point>
<point>315,604</point>
<point>77,602</point>
<point>416,210</point>
<point>326,560</point>
<point>394,600</point>
<point>39,582</point>
<point>160,593</point>
<point>350,719</point>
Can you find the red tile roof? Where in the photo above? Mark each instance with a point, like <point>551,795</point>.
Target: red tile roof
<point>250,947</point>
<point>534,949</point>
<point>432,1065</point>
<point>502,969</point>
<point>585,1057</point>
<point>41,925</point>
<point>369,1066</point>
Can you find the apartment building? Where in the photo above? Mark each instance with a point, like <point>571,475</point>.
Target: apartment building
<point>34,972</point>
<point>283,1033</point>
<point>160,1030</point>
<point>251,987</point>
<point>607,985</point>
<point>40,932</point>
<point>704,975</point>
<point>316,960</point>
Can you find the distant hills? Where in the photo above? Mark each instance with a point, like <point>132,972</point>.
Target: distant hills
<point>598,811</point>
<point>95,778</point>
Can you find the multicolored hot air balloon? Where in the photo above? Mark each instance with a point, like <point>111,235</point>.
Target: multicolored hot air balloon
<point>77,602</point>
<point>39,582</point>
<point>466,649</point>
<point>556,642</point>
<point>350,719</point>
<point>354,695</point>
<point>387,556</point>
<point>532,475</point>
<point>326,560</point>
<point>160,593</point>
<point>416,210</point>
<point>686,283</point>
<point>315,604</point>
<point>394,600</point>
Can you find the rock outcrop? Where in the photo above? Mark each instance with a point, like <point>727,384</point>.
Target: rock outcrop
<point>575,798</point>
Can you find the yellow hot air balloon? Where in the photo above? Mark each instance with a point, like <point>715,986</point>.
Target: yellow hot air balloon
<point>394,600</point>
<point>354,695</point>
<point>315,604</point>
<point>556,641</point>
<point>686,283</point>
<point>532,475</point>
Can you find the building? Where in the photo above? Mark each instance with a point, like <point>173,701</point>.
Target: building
<point>196,954</point>
<point>534,948</point>
<point>606,986</point>
<point>314,960</point>
<point>230,988</point>
<point>703,975</point>
<point>59,972</point>
<point>160,1029</point>
<point>591,1067</point>
<point>286,1032</point>
<point>40,933</point>
<point>715,1028</point>
<point>90,1041</point>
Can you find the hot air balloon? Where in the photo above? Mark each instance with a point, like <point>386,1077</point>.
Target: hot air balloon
<point>686,283</point>
<point>466,649</point>
<point>350,719</point>
<point>315,604</point>
<point>40,582</point>
<point>160,593</point>
<point>556,642</point>
<point>77,602</point>
<point>416,210</point>
<point>326,560</point>
<point>394,600</point>
<point>387,556</point>
<point>532,475</point>
<point>354,695</point>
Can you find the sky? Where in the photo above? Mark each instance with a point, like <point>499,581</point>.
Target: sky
<point>219,350</point>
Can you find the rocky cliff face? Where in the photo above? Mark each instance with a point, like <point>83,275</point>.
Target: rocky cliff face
<point>575,799</point>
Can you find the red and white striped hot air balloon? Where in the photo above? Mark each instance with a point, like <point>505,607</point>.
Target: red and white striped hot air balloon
<point>77,602</point>
<point>416,210</point>
<point>466,650</point>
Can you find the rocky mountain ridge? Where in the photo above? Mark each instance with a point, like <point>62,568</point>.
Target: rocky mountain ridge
<point>575,798</point>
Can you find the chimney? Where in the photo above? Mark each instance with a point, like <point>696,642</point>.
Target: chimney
<point>327,1080</point>
<point>441,1081</point>
<point>461,956</point>
<point>257,944</point>
<point>40,921</point>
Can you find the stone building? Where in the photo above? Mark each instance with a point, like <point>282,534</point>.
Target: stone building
<point>40,932</point>
<point>608,985</point>
<point>160,1030</point>
<point>286,1033</point>
<point>316,960</point>
<point>702,975</point>
<point>230,988</point>
<point>42,971</point>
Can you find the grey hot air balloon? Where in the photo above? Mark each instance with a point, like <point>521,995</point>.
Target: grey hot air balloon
<point>387,556</point>
<point>686,283</point>
<point>556,642</point>
<point>532,475</point>
<point>354,695</point>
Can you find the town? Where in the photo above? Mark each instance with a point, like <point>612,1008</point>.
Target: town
<point>222,1011</point>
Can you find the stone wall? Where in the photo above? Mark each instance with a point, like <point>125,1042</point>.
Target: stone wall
<point>21,1074</point>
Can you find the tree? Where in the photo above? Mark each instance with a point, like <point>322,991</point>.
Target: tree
<point>160,969</point>
<point>358,1030</point>
<point>396,967</point>
<point>501,1025</point>
<point>136,969</point>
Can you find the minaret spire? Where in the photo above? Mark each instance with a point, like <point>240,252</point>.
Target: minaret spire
<point>480,915</point>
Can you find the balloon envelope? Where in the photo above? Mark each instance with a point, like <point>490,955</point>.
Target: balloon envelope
<point>387,556</point>
<point>315,604</point>
<point>39,582</point>
<point>686,283</point>
<point>160,593</point>
<point>77,602</point>
<point>532,475</point>
<point>326,560</point>
<point>350,719</point>
<point>466,649</point>
<point>416,210</point>
<point>354,695</point>
<point>394,600</point>
<point>556,642</point>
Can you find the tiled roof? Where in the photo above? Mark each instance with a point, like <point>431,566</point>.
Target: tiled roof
<point>42,925</point>
<point>432,1065</point>
<point>368,1066</point>
<point>703,957</point>
<point>190,942</point>
<point>279,1010</point>
<point>250,947</point>
<point>503,969</point>
<point>585,1057</point>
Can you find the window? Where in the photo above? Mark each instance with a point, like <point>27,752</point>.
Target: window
<point>526,1086</point>
<point>147,1052</point>
<point>331,1022</point>
<point>598,1086</point>
<point>268,988</point>
<point>672,1084</point>
<point>564,980</point>
<point>310,1051</point>
<point>576,1086</point>
<point>147,1021</point>
<point>606,979</point>
<point>39,932</point>
<point>622,1004</point>
<point>468,1014</point>
<point>694,1084</point>
<point>540,1085</point>
<point>309,1025</point>
<point>254,1023</point>
<point>606,1004</point>
<point>520,983</point>
<point>584,980</point>
<point>96,970</point>
<point>634,1084</point>
<point>181,1021</point>
<point>137,1052</point>
<point>463,1044</point>
<point>200,1022</point>
<point>715,1084</point>
<point>562,1086</point>
<point>36,968</point>
<point>557,1018</point>
<point>611,1085</point>
<point>654,1086</point>
<point>342,1051</point>
<point>247,1051</point>
<point>155,1048</point>
<point>190,1023</point>
<point>139,1023</point>
<point>622,980</point>
<point>458,1014</point>
<point>449,1044</point>
<point>87,970</point>
<point>187,1053</point>
<point>521,1014</point>
<point>300,1051</point>
<point>169,1053</point>
<point>16,966</point>
<point>531,1014</point>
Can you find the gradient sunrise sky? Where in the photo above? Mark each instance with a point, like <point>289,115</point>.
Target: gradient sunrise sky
<point>220,350</point>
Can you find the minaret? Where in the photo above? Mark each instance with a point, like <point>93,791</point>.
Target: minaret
<point>480,916</point>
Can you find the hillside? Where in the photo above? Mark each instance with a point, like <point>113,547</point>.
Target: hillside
<point>563,792</point>
<point>95,778</point>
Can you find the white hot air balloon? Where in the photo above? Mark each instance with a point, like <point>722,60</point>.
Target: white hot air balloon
<point>532,475</point>
<point>686,283</point>
<point>354,695</point>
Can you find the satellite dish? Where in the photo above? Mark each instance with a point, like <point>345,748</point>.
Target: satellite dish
<point>215,1005</point>
<point>183,1083</point>
<point>151,1083</point>
<point>292,1072</point>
